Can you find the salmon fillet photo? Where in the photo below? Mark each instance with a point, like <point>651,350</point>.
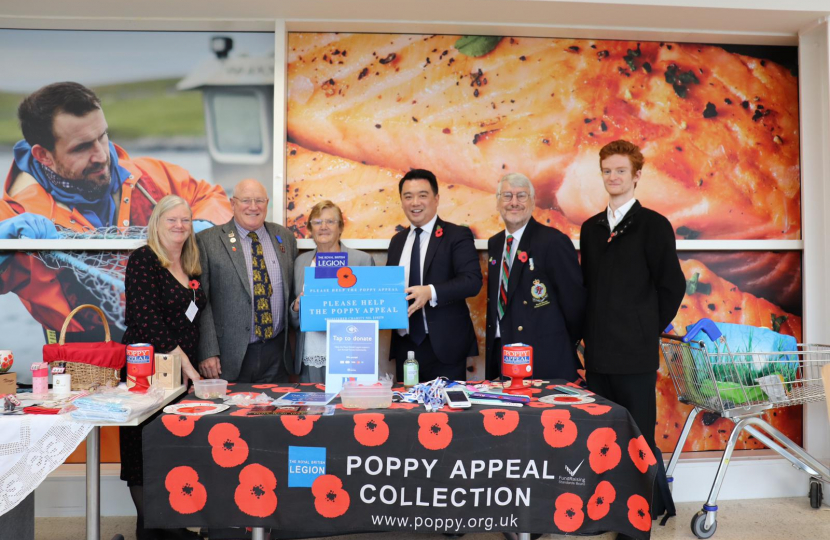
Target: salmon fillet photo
<point>719,130</point>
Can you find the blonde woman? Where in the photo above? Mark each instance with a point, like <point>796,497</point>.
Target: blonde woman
<point>164,302</point>
<point>325,224</point>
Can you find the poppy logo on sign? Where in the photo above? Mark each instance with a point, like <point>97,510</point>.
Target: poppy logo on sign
<point>352,329</point>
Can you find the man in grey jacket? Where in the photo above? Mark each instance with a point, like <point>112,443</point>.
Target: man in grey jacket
<point>248,276</point>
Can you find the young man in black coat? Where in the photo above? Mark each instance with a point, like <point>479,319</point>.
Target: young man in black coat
<point>635,287</point>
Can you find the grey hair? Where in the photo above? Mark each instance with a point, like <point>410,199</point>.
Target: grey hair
<point>517,180</point>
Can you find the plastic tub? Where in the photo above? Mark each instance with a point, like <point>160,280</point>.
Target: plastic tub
<point>210,388</point>
<point>356,395</point>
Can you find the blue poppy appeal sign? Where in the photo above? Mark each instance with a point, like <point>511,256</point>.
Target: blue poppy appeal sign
<point>368,293</point>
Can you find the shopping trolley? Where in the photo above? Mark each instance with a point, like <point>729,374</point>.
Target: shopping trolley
<point>740,387</point>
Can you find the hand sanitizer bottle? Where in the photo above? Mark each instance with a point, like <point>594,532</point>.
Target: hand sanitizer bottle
<point>410,370</point>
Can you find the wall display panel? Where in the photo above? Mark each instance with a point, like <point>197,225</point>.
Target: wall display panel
<point>188,113</point>
<point>719,129</point>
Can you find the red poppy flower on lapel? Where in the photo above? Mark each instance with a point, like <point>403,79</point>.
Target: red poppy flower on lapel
<point>439,231</point>
<point>523,256</point>
<point>194,284</point>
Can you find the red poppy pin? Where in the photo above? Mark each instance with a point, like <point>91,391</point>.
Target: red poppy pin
<point>523,256</point>
<point>194,284</point>
<point>439,231</point>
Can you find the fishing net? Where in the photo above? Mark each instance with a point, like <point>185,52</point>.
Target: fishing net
<point>100,272</point>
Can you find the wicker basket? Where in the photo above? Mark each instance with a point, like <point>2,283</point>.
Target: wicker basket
<point>85,375</point>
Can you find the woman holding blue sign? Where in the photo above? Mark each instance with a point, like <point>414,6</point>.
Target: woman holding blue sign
<point>325,224</point>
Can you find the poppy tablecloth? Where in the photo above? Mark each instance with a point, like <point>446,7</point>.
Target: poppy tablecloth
<point>541,468</point>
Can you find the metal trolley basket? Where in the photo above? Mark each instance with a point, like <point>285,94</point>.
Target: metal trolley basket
<point>740,387</point>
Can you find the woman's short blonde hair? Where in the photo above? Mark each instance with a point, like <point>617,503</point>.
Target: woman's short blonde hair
<point>318,209</point>
<point>190,251</point>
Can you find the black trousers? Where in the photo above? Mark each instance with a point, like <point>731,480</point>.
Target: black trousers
<point>429,366</point>
<point>637,393</point>
<point>264,362</point>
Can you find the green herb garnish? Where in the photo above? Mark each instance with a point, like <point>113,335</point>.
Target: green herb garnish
<point>694,286</point>
<point>476,46</point>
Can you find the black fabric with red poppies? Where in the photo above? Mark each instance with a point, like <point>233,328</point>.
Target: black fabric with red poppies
<point>594,468</point>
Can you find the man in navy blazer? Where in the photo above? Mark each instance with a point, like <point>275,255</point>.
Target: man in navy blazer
<point>442,271</point>
<point>534,287</point>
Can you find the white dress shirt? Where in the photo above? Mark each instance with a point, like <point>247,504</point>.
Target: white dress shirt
<point>406,256</point>
<point>517,237</point>
<point>615,216</point>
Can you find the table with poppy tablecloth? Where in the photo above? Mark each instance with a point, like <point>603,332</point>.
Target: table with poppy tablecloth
<point>541,468</point>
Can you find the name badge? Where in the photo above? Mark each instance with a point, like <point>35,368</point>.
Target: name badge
<point>191,312</point>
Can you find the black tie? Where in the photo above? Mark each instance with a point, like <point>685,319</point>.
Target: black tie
<point>417,332</point>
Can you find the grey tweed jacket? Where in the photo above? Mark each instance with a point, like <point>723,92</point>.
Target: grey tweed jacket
<point>225,327</point>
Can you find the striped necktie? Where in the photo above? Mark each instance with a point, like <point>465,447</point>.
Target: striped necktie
<point>263,319</point>
<point>505,275</point>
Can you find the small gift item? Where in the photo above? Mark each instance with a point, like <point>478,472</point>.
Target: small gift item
<point>40,378</point>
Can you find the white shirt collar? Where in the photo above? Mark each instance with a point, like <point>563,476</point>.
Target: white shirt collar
<point>517,236</point>
<point>426,228</point>
<point>615,216</point>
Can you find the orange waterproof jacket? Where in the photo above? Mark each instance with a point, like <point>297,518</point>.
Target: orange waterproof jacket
<point>50,294</point>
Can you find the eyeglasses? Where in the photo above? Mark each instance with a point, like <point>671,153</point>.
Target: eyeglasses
<point>329,222</point>
<point>173,221</point>
<point>249,201</point>
<point>521,196</point>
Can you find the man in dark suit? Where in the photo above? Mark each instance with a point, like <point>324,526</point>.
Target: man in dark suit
<point>442,271</point>
<point>534,287</point>
<point>248,276</point>
<point>635,287</point>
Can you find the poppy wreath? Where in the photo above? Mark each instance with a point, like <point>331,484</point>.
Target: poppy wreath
<point>255,493</point>
<point>179,425</point>
<point>560,430</point>
<point>638,513</point>
<point>500,422</point>
<point>605,452</point>
<point>594,409</point>
<point>568,515</point>
<point>228,448</point>
<point>299,425</point>
<point>330,499</point>
<point>370,429</point>
<point>600,502</point>
<point>187,494</point>
<point>435,432</point>
<point>641,454</point>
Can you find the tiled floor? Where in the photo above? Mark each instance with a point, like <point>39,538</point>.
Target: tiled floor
<point>756,519</point>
